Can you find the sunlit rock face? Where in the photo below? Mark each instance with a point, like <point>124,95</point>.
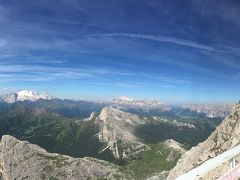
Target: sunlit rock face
<point>117,131</point>
<point>225,137</point>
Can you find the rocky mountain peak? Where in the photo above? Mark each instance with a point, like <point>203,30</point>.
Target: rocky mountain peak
<point>24,95</point>
<point>116,115</point>
<point>117,131</point>
<point>237,106</point>
<point>107,112</point>
<point>31,95</point>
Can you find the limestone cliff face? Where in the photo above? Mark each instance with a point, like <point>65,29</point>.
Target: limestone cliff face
<point>226,136</point>
<point>22,160</point>
<point>117,131</point>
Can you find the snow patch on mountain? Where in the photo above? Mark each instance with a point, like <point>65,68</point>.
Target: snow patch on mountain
<point>131,101</point>
<point>24,95</point>
<point>144,106</point>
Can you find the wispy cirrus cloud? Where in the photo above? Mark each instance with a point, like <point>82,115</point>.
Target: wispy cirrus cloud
<point>125,85</point>
<point>14,68</point>
<point>46,44</point>
<point>171,80</point>
<point>39,73</point>
<point>34,73</point>
<point>159,38</point>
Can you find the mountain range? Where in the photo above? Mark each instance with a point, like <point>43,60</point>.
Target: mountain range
<point>128,140</point>
<point>24,95</point>
<point>141,107</point>
<point>137,139</point>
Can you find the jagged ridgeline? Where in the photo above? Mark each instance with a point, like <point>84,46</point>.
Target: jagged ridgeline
<point>138,143</point>
<point>225,137</point>
<point>22,160</point>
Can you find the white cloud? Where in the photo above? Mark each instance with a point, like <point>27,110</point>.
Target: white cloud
<point>167,79</point>
<point>11,72</point>
<point>158,38</point>
<point>125,85</point>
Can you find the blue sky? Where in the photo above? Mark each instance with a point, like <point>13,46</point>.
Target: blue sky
<point>169,50</point>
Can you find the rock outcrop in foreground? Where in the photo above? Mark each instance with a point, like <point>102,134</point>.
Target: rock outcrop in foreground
<point>225,137</point>
<point>22,160</point>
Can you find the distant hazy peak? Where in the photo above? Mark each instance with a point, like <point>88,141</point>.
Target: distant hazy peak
<point>125,98</point>
<point>211,109</point>
<point>24,95</point>
<point>142,102</point>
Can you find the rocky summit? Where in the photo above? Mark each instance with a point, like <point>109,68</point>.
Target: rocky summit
<point>22,160</point>
<point>117,131</point>
<point>225,137</point>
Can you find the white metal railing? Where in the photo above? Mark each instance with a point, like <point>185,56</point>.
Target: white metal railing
<point>209,165</point>
<point>233,173</point>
